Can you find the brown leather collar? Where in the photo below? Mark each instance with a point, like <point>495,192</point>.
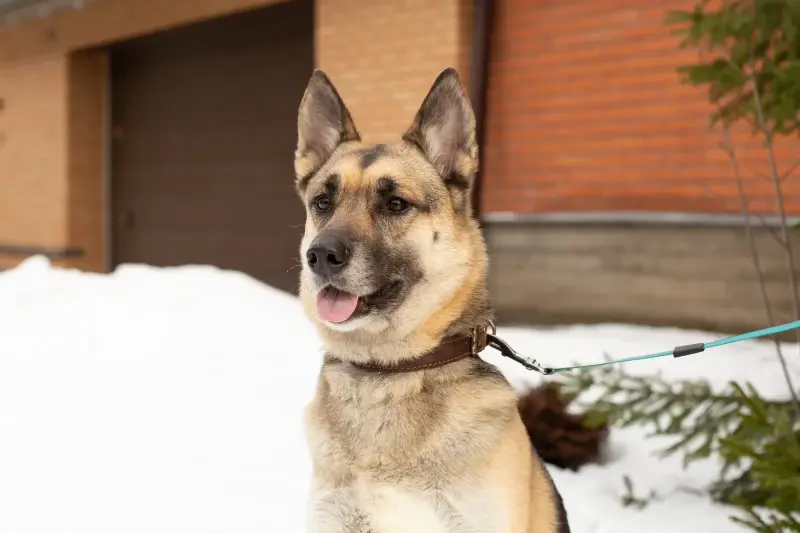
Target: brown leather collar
<point>450,350</point>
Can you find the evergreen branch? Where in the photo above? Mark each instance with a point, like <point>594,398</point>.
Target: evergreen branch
<point>690,410</point>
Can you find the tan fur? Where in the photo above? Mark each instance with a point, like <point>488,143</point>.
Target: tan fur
<point>436,451</point>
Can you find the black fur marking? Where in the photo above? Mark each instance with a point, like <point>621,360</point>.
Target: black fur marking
<point>457,180</point>
<point>435,236</point>
<point>563,522</point>
<point>386,186</point>
<point>331,187</point>
<point>370,155</point>
<point>558,501</point>
<point>302,182</point>
<point>393,263</point>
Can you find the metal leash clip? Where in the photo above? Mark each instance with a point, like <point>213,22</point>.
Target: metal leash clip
<point>528,362</point>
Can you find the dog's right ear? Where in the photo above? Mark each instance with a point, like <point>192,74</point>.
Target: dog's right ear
<point>323,123</point>
<point>444,130</point>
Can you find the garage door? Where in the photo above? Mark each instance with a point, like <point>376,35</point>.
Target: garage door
<point>204,130</point>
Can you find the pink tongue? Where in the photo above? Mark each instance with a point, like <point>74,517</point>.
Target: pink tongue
<point>336,306</point>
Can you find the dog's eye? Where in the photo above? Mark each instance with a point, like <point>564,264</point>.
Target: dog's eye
<point>322,203</point>
<point>397,205</point>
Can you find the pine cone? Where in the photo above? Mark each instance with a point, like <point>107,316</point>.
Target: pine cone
<point>561,438</point>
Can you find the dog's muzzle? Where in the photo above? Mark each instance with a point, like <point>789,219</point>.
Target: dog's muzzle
<point>328,254</point>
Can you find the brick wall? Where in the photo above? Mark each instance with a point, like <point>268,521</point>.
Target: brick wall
<point>33,153</point>
<point>586,113</point>
<point>383,57</point>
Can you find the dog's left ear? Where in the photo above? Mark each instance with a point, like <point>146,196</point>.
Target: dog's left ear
<point>323,123</point>
<point>444,129</point>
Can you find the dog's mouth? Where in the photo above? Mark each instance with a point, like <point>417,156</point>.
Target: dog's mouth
<point>337,306</point>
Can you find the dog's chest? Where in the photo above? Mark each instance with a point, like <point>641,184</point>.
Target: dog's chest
<point>384,487</point>
<point>369,429</point>
<point>389,465</point>
<point>368,507</point>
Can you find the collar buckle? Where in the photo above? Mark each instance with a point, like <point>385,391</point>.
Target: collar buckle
<point>479,338</point>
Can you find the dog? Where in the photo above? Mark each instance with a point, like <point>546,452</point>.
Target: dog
<point>408,431</point>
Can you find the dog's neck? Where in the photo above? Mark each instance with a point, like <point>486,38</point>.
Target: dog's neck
<point>465,310</point>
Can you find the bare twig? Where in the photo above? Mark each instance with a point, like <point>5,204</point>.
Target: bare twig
<point>756,259</point>
<point>784,176</point>
<point>774,232</point>
<point>776,179</point>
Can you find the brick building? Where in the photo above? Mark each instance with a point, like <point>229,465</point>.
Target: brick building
<point>162,132</point>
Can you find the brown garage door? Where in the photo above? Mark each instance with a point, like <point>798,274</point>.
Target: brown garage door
<point>204,130</point>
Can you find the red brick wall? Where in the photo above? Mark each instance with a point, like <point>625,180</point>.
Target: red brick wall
<point>586,112</point>
<point>384,56</point>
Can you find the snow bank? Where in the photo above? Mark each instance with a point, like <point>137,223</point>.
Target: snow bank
<point>170,400</point>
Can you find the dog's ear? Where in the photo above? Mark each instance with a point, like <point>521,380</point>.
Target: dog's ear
<point>323,123</point>
<point>444,129</point>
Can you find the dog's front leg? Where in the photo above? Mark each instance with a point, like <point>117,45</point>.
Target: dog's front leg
<point>336,511</point>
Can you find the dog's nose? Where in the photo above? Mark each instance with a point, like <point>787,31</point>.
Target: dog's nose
<point>328,254</point>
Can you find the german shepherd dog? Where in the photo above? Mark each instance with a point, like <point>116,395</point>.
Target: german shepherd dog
<point>393,269</point>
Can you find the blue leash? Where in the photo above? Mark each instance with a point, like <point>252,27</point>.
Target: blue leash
<point>679,351</point>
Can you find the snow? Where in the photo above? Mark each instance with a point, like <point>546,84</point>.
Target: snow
<point>170,400</point>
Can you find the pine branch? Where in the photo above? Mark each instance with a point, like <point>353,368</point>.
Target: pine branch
<point>757,440</point>
<point>689,410</point>
<point>630,499</point>
<point>770,522</point>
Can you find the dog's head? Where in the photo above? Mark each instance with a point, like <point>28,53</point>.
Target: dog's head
<point>390,241</point>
